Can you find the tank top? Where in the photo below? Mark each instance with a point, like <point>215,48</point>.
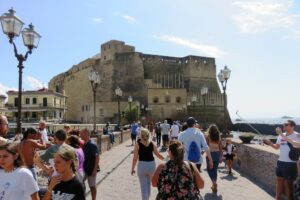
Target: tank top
<point>176,184</point>
<point>145,153</point>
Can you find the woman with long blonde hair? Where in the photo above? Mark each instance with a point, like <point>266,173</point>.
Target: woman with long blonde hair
<point>143,154</point>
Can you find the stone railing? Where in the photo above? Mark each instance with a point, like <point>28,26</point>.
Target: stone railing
<point>258,163</point>
<point>105,140</point>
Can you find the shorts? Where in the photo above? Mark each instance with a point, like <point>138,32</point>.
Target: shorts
<point>286,170</point>
<point>133,136</point>
<point>229,156</point>
<point>91,180</point>
<point>165,138</point>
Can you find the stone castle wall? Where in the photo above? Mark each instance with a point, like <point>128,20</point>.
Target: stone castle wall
<point>119,65</point>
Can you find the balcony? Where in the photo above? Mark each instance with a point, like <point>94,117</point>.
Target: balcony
<point>37,107</point>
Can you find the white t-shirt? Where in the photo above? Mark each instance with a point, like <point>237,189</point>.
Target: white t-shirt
<point>229,149</point>
<point>165,127</point>
<point>174,130</point>
<point>44,136</point>
<point>17,185</point>
<point>189,135</point>
<point>284,147</point>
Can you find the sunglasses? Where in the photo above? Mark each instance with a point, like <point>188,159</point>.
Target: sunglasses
<point>286,124</point>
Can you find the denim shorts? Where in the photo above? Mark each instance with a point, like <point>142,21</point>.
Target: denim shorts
<point>286,170</point>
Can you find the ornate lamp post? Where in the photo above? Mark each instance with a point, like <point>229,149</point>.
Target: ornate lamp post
<point>194,100</point>
<point>204,91</point>
<point>95,81</point>
<point>119,94</point>
<point>130,102</point>
<point>12,26</point>
<point>223,77</point>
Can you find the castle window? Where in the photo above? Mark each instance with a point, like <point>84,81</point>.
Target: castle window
<point>178,99</point>
<point>104,48</point>
<point>27,101</point>
<point>34,101</point>
<point>101,111</point>
<point>155,100</point>
<point>104,57</point>
<point>109,46</point>
<point>167,99</point>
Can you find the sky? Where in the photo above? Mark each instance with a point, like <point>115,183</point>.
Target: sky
<point>259,40</point>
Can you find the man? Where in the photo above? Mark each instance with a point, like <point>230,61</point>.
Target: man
<point>174,132</point>
<point>286,169</point>
<point>3,129</point>
<point>67,129</point>
<point>158,133</point>
<point>194,135</point>
<point>165,129</point>
<point>43,131</point>
<point>27,149</point>
<point>133,131</point>
<point>91,162</point>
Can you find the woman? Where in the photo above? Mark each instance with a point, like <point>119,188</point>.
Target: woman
<point>177,179</point>
<point>16,182</point>
<point>214,142</point>
<point>65,185</point>
<point>143,152</point>
<point>74,142</point>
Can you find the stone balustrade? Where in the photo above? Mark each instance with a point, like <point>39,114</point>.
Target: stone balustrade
<point>258,163</point>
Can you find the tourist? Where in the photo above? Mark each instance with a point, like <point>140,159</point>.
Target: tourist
<point>3,129</point>
<point>229,150</point>
<point>174,131</point>
<point>165,129</point>
<point>28,147</point>
<point>193,141</point>
<point>286,169</point>
<point>91,161</point>
<point>67,129</point>
<point>17,182</point>
<point>74,142</point>
<point>106,131</point>
<point>143,153</point>
<point>134,127</point>
<point>158,134</point>
<point>214,142</point>
<point>43,131</point>
<point>177,179</point>
<point>65,185</point>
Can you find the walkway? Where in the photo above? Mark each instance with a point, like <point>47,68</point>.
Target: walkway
<point>117,182</point>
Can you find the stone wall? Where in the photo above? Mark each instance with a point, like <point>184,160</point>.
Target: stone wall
<point>258,162</point>
<point>106,145</point>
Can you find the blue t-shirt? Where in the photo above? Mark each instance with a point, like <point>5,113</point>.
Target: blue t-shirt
<point>134,129</point>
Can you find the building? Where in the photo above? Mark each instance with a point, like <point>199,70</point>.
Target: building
<point>37,105</point>
<point>161,86</point>
<point>2,106</point>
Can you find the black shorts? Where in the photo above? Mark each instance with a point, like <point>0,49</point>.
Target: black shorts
<point>165,138</point>
<point>229,156</point>
<point>286,170</point>
<point>133,136</point>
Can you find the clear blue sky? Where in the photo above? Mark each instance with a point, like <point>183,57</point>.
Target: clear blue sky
<point>259,40</point>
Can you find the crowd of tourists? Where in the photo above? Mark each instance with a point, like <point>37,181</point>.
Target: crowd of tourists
<point>186,144</point>
<point>68,160</point>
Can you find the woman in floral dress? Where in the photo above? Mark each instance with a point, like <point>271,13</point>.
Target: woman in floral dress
<point>177,179</point>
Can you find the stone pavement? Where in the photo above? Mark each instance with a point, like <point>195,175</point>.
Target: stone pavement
<point>116,181</point>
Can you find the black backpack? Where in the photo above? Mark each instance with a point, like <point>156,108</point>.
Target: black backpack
<point>294,153</point>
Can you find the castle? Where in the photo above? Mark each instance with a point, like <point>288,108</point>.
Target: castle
<point>163,86</point>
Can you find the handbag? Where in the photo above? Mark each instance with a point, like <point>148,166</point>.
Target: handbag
<point>294,153</point>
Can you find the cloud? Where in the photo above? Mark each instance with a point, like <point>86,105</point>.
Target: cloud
<point>204,48</point>
<point>34,83</point>
<point>97,20</point>
<point>260,15</point>
<point>127,18</point>
<point>4,89</point>
<point>295,35</point>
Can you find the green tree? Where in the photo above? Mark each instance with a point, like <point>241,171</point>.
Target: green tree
<point>131,115</point>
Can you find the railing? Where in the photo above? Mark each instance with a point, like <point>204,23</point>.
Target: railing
<point>39,105</point>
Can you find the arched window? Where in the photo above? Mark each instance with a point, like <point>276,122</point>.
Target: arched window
<point>178,99</point>
<point>155,100</point>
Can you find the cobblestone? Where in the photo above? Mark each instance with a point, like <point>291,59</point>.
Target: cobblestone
<point>119,184</point>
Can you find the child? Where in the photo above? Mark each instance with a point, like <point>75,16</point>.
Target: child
<point>229,148</point>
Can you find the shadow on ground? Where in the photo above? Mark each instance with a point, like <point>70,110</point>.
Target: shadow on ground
<point>209,196</point>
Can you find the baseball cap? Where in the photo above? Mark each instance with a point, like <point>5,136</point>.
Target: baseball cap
<point>191,121</point>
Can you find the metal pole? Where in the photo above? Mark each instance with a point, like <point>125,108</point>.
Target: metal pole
<point>94,93</point>
<point>119,118</point>
<point>225,103</point>
<point>19,119</point>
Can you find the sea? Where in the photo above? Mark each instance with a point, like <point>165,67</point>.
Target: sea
<point>270,121</point>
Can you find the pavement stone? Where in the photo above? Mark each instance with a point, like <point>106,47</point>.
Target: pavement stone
<point>117,183</point>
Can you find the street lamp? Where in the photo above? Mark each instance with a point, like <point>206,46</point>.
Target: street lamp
<point>130,101</point>
<point>194,100</point>
<point>119,94</point>
<point>95,81</point>
<point>12,26</point>
<point>223,77</point>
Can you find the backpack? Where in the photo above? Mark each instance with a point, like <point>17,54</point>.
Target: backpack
<point>294,153</point>
<point>194,152</point>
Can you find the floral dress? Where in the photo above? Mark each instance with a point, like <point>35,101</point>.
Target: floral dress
<point>176,184</point>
